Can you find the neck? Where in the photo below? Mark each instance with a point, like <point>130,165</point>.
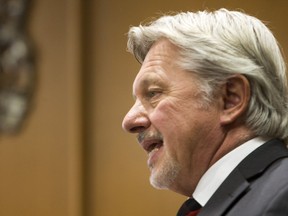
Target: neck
<point>234,138</point>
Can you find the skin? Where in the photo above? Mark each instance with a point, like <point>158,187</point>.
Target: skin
<point>168,114</point>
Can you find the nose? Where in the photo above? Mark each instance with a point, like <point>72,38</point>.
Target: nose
<point>136,120</point>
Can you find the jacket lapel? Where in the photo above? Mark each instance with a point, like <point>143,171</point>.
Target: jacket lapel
<point>226,194</point>
<point>238,182</point>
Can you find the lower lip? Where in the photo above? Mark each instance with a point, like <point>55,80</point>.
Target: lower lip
<point>154,156</point>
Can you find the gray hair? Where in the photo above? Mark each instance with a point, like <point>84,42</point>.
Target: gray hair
<point>217,45</point>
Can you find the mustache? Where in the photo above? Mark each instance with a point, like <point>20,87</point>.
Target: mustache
<point>146,135</point>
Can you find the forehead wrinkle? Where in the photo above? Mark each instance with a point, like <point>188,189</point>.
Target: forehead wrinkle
<point>148,76</point>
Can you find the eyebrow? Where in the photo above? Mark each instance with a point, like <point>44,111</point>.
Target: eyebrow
<point>146,81</point>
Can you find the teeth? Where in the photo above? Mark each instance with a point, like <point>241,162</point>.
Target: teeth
<point>153,151</point>
<point>155,147</point>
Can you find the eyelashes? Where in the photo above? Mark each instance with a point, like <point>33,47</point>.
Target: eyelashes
<point>153,93</point>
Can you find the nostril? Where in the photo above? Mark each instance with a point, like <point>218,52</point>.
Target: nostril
<point>136,129</point>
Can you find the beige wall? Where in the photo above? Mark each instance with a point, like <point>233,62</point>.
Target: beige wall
<point>72,158</point>
<point>40,168</point>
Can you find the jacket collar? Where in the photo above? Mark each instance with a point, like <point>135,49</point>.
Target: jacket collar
<point>238,181</point>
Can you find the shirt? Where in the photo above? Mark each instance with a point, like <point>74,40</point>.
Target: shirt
<point>219,171</point>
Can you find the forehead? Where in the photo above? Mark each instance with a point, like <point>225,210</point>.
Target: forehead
<point>160,62</point>
<point>162,50</point>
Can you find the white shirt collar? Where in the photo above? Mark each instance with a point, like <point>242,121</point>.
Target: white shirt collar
<point>219,171</point>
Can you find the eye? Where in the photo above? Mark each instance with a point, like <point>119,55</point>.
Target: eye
<point>152,93</point>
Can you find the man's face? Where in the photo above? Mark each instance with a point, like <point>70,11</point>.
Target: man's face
<point>178,133</point>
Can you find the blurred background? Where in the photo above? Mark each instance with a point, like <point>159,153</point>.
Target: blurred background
<point>71,157</point>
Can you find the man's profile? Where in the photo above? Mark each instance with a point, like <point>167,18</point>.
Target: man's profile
<point>211,112</point>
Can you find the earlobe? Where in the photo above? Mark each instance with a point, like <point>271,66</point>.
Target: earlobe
<point>235,96</point>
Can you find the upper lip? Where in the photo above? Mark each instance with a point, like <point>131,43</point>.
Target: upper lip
<point>150,144</point>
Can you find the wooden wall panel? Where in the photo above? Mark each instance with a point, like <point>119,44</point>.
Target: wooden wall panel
<point>40,167</point>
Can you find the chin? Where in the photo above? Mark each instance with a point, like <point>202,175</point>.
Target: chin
<point>165,176</point>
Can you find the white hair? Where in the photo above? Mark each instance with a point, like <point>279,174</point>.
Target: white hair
<point>217,45</point>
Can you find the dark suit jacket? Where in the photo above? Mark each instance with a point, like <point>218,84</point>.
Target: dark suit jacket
<point>258,186</point>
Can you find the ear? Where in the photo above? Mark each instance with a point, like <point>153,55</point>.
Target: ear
<point>235,96</point>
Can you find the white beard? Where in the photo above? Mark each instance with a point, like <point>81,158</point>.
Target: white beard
<point>164,175</point>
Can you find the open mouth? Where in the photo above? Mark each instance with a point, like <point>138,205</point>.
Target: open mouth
<point>154,152</point>
<point>150,142</point>
<point>154,146</point>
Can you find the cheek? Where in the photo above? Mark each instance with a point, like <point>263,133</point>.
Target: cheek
<point>174,114</point>
<point>166,116</point>
<point>172,122</point>
<point>184,124</point>
<point>178,131</point>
